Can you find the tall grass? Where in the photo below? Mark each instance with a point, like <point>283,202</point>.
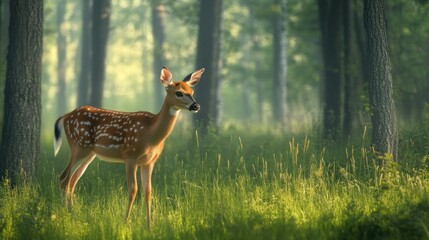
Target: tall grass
<point>238,185</point>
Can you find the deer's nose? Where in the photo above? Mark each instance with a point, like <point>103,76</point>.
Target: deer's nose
<point>195,107</point>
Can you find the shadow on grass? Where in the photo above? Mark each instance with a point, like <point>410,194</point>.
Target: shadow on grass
<point>410,222</point>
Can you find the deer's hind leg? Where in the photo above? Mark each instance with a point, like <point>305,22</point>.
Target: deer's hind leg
<point>80,171</point>
<point>78,158</point>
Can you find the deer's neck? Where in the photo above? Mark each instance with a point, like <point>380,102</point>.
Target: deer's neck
<point>164,124</point>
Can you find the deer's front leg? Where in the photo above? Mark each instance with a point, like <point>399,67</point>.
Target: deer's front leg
<point>146,175</point>
<point>131,171</point>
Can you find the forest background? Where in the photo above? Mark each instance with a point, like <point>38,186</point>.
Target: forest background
<point>246,92</point>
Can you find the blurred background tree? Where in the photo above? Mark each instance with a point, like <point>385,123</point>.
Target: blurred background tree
<point>83,89</point>
<point>101,11</point>
<point>61,57</point>
<point>330,14</point>
<point>158,32</point>
<point>209,55</point>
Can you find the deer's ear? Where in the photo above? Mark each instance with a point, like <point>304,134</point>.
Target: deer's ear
<point>193,78</point>
<point>166,77</point>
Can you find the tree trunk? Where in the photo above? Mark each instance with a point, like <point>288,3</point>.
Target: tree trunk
<point>61,58</point>
<point>100,31</point>
<point>330,20</point>
<point>280,63</point>
<point>209,56</point>
<point>384,132</point>
<point>20,144</point>
<point>158,32</point>
<point>86,54</point>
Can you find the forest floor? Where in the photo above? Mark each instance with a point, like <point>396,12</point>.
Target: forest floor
<point>236,185</point>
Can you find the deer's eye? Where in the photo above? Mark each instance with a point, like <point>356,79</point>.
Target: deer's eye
<point>179,94</point>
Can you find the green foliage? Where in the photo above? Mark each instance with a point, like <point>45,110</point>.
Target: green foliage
<point>408,29</point>
<point>244,184</point>
<point>416,141</point>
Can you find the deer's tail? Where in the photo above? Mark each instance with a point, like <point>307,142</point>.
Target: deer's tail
<point>57,135</point>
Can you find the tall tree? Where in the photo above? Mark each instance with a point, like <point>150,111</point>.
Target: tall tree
<point>330,20</point>
<point>86,54</point>
<point>158,32</point>
<point>100,31</point>
<point>19,149</point>
<point>61,57</point>
<point>279,62</point>
<point>209,56</point>
<point>384,123</point>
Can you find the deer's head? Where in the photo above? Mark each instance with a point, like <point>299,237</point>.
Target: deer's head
<point>180,94</point>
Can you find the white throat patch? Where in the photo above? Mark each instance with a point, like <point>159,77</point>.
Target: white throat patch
<point>174,111</point>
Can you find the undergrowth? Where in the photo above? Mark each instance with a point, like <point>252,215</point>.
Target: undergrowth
<point>236,185</point>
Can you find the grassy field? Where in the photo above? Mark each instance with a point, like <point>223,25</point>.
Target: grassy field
<point>238,185</point>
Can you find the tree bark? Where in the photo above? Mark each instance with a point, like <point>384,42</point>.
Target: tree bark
<point>209,56</point>
<point>20,144</point>
<point>384,132</point>
<point>280,63</point>
<point>86,54</point>
<point>100,31</point>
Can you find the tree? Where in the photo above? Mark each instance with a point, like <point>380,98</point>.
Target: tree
<point>209,56</point>
<point>61,58</point>
<point>279,62</point>
<point>330,19</point>
<point>158,32</point>
<point>100,31</point>
<point>86,54</point>
<point>384,125</point>
<point>19,148</point>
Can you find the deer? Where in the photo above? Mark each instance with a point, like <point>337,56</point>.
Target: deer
<point>133,138</point>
